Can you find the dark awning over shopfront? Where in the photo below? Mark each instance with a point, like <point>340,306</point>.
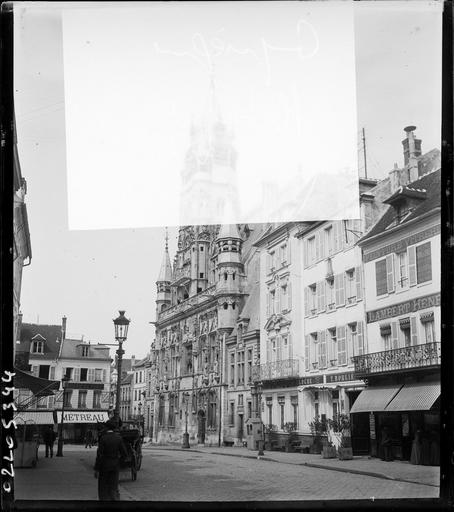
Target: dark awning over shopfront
<point>38,386</point>
<point>418,396</point>
<point>375,399</point>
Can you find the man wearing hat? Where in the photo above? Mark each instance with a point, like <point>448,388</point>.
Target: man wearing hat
<point>107,466</point>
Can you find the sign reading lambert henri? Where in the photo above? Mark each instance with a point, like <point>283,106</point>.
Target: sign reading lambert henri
<point>403,308</point>
<point>84,417</point>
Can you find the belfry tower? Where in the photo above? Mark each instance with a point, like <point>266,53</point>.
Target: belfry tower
<point>164,295</point>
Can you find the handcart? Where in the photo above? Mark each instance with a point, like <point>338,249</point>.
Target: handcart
<point>132,440</point>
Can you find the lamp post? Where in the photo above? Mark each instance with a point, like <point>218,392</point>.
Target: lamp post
<point>262,440</point>
<point>139,408</point>
<point>64,380</point>
<point>186,434</point>
<point>121,332</point>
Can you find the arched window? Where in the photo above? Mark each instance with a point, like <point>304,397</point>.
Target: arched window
<point>233,276</point>
<point>233,305</point>
<point>226,305</point>
<point>225,276</point>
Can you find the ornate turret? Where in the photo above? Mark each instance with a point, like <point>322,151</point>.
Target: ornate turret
<point>230,272</point>
<point>164,298</point>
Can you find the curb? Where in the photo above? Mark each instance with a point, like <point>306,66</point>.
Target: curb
<point>307,464</point>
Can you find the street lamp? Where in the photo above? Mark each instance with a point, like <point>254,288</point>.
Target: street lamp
<point>64,380</point>
<point>121,332</point>
<point>186,434</point>
<point>262,427</point>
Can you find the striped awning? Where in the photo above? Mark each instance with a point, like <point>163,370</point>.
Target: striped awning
<point>375,399</point>
<point>34,417</point>
<point>418,396</point>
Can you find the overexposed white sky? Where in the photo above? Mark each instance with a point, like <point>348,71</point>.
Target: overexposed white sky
<point>138,130</point>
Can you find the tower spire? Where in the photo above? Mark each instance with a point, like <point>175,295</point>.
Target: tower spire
<point>165,273</point>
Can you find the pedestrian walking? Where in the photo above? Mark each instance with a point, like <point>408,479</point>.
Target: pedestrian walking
<point>49,439</point>
<point>386,443</point>
<point>89,439</point>
<point>107,466</point>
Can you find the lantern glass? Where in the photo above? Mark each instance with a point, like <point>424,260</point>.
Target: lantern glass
<point>121,327</point>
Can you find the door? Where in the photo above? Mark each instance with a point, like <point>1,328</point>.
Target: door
<point>201,427</point>
<point>240,427</point>
<point>360,423</point>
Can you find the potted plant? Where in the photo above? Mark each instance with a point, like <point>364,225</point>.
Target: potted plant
<point>341,429</point>
<point>318,428</point>
<point>292,436</point>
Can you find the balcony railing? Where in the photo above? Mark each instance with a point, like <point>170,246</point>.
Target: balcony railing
<point>188,303</point>
<point>279,369</point>
<point>415,356</point>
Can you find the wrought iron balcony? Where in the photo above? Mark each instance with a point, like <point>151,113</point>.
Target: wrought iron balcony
<point>412,357</point>
<point>279,369</point>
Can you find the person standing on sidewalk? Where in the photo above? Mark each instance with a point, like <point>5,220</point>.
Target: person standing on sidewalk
<point>107,466</point>
<point>89,439</point>
<point>49,439</point>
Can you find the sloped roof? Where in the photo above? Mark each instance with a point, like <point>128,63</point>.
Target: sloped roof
<point>165,273</point>
<point>127,379</point>
<point>251,308</point>
<point>70,348</point>
<point>51,333</point>
<point>142,362</point>
<point>431,183</point>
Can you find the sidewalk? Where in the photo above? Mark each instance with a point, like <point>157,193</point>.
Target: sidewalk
<point>397,470</point>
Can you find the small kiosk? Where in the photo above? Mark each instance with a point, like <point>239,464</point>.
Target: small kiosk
<point>254,433</point>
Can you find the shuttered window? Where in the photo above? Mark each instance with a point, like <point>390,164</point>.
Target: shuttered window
<point>380,275</point>
<point>390,272</point>
<point>307,351</point>
<point>423,263</point>
<point>322,350</point>
<point>306,301</point>
<point>361,348</point>
<point>340,289</point>
<point>321,295</point>
<point>341,348</point>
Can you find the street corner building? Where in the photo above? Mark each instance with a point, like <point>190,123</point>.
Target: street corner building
<point>207,335</point>
<point>44,355</point>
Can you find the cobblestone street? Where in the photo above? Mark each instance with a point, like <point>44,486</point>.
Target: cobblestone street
<point>178,475</point>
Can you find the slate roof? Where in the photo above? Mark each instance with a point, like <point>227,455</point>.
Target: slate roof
<point>52,334</point>
<point>127,379</point>
<point>71,348</point>
<point>431,183</point>
<point>140,363</point>
<point>251,309</point>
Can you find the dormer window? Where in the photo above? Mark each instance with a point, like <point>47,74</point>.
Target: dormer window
<point>402,210</point>
<point>239,333</point>
<point>38,347</point>
<point>85,351</point>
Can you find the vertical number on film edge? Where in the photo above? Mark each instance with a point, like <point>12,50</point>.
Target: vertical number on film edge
<point>7,471</point>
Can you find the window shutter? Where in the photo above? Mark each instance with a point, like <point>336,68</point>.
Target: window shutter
<point>335,236</point>
<point>340,289</point>
<point>317,291</point>
<point>341,349</point>
<point>307,352</point>
<point>315,350</point>
<point>305,253</point>
<point>412,265</point>
<point>329,346</point>
<point>77,374</point>
<point>423,263</point>
<point>317,246</point>
<point>350,347</point>
<point>306,301</point>
<point>321,287</point>
<point>359,283</point>
<point>413,330</point>
<point>390,272</point>
<point>322,244</point>
<point>91,375</point>
<point>289,296</point>
<point>322,336</point>
<point>394,335</point>
<point>361,349</point>
<point>380,275</point>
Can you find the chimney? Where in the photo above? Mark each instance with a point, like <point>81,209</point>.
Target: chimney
<point>63,328</point>
<point>412,150</point>
<point>133,361</point>
<point>395,178</point>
